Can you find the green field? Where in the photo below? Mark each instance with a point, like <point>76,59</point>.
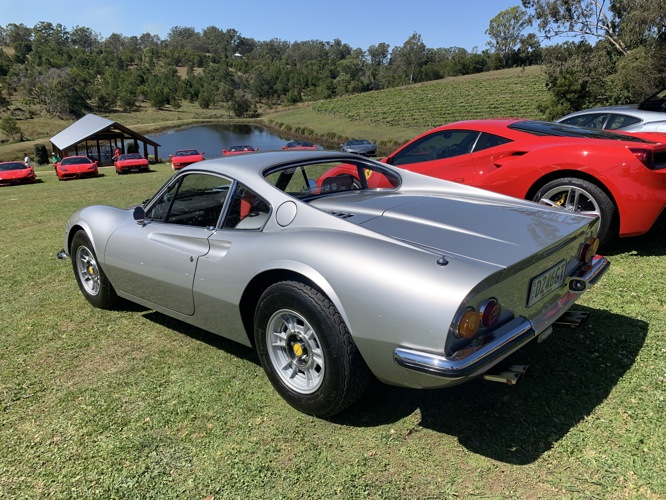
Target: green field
<point>132,404</point>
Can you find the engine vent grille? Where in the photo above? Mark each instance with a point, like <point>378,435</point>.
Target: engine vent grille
<point>341,215</point>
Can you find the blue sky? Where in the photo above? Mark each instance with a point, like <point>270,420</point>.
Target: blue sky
<point>441,23</point>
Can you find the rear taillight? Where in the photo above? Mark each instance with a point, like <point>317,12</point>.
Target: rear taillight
<point>645,156</point>
<point>589,250</point>
<point>490,313</point>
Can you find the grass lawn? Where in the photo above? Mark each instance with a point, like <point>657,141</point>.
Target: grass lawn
<point>132,404</point>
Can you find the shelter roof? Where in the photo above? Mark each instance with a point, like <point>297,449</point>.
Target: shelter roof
<point>92,125</point>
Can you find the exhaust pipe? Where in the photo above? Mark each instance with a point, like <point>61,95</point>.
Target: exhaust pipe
<point>577,285</point>
<point>509,375</point>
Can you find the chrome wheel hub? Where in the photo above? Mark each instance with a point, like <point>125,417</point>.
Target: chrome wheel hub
<point>87,270</point>
<point>295,351</point>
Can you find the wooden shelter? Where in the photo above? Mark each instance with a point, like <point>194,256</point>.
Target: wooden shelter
<point>98,138</point>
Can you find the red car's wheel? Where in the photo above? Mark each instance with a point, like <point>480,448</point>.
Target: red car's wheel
<point>578,195</point>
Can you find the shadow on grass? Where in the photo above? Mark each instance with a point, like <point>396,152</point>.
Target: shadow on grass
<point>653,243</point>
<point>229,346</point>
<point>571,373</point>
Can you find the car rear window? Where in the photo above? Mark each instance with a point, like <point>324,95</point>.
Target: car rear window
<point>564,130</point>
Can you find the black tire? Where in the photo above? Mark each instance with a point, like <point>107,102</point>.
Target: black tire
<point>90,277</point>
<point>579,195</point>
<point>306,350</point>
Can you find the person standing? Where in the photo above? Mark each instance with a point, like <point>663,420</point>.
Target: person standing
<point>26,160</point>
<point>55,158</point>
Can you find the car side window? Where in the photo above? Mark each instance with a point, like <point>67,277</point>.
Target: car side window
<point>486,141</point>
<point>247,210</point>
<point>437,146</point>
<point>590,120</point>
<point>620,121</point>
<point>194,200</point>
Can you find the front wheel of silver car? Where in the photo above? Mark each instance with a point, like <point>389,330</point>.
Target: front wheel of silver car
<point>579,195</point>
<point>307,351</point>
<point>89,275</point>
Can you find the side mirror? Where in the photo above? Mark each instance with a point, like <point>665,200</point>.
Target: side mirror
<point>388,159</point>
<point>140,215</point>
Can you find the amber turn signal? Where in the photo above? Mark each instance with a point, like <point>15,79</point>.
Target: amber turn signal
<point>468,324</point>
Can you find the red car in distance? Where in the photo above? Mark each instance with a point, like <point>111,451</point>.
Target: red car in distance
<point>238,150</point>
<point>16,172</point>
<point>76,167</point>
<point>619,177</point>
<point>131,162</point>
<point>295,145</point>
<point>184,157</point>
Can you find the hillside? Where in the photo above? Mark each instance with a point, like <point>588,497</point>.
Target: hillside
<point>393,116</point>
<point>388,117</point>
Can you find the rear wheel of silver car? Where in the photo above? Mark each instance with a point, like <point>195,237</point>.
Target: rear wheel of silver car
<point>92,281</point>
<point>307,351</point>
<point>579,195</point>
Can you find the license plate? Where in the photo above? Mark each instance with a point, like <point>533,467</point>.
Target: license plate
<point>546,282</point>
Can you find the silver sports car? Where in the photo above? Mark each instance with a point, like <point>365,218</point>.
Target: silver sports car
<point>337,268</point>
<point>646,116</point>
<point>359,146</point>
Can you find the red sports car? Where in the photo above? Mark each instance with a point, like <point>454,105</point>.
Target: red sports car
<point>293,145</point>
<point>16,172</point>
<point>238,150</point>
<point>620,178</point>
<point>72,167</point>
<point>131,162</point>
<point>185,157</point>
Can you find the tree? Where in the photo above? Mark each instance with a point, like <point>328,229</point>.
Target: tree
<point>41,155</point>
<point>408,58</point>
<point>11,128</point>
<point>587,18</point>
<point>19,37</point>
<point>506,32</point>
<point>628,60</point>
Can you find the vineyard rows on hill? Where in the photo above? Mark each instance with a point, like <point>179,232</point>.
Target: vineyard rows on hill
<point>516,95</point>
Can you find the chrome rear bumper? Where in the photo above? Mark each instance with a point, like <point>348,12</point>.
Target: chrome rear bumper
<point>508,338</point>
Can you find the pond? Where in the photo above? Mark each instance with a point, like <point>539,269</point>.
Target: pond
<point>213,138</point>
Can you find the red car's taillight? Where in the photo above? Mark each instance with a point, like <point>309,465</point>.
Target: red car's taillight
<point>645,156</point>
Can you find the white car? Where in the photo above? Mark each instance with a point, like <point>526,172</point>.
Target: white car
<point>648,116</point>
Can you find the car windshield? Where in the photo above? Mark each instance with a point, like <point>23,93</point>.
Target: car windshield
<point>4,167</point>
<point>357,142</point>
<point>76,160</point>
<point>564,130</point>
<point>326,177</point>
<point>187,152</point>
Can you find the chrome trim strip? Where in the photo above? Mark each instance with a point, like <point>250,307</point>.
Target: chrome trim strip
<point>480,360</point>
<point>509,337</point>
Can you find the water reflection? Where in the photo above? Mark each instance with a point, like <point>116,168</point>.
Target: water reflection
<point>213,138</point>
